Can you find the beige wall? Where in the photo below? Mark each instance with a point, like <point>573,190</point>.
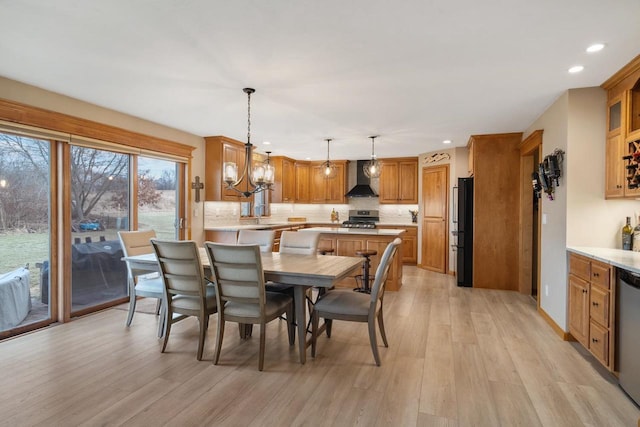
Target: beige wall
<point>30,95</point>
<point>579,215</point>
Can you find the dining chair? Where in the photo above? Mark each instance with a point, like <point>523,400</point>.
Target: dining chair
<point>141,283</point>
<point>264,238</point>
<point>186,291</point>
<point>357,307</point>
<point>241,295</point>
<point>295,242</point>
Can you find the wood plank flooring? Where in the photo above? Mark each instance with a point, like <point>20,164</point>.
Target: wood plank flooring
<point>457,357</point>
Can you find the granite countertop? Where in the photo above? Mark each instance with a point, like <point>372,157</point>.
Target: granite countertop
<point>627,260</point>
<point>366,231</point>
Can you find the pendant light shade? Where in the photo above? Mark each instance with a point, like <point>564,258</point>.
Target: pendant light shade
<point>328,169</point>
<point>261,177</point>
<point>373,167</point>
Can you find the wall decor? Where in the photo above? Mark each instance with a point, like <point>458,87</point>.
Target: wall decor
<point>437,157</point>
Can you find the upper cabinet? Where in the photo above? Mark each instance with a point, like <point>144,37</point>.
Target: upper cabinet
<point>328,190</point>
<point>399,181</point>
<point>622,173</point>
<point>303,183</point>
<point>284,189</point>
<point>220,149</point>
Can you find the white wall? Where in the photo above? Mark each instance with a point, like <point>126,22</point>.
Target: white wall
<point>579,215</point>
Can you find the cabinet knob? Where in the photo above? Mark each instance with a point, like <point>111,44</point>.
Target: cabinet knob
<point>584,291</point>
<point>596,274</point>
<point>594,339</point>
<point>595,304</point>
<point>618,186</point>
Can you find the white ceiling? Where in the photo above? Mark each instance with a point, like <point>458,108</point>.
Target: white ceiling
<point>415,72</point>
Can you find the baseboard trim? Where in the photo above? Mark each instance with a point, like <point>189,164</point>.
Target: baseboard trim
<point>566,336</point>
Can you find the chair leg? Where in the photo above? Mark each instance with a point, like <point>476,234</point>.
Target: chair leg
<point>167,328</point>
<point>328,324</point>
<point>132,305</point>
<point>262,345</point>
<point>374,341</point>
<point>162,321</point>
<point>158,306</point>
<point>219,337</point>
<point>203,332</point>
<point>315,319</point>
<point>381,327</point>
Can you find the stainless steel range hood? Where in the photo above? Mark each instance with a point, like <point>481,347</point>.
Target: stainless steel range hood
<point>362,187</point>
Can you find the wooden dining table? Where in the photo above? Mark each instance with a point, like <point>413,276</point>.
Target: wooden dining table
<point>301,271</point>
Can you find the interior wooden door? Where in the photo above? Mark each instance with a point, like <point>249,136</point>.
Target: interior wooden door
<point>435,223</point>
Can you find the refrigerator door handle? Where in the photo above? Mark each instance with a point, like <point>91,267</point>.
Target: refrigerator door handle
<point>454,198</point>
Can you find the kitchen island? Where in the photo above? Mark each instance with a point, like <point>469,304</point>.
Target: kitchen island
<point>346,241</point>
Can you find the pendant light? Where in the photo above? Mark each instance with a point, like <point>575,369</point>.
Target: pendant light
<point>261,177</point>
<point>328,169</point>
<point>373,167</point>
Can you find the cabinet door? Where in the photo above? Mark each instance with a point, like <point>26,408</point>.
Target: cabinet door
<point>409,249</point>
<point>302,183</point>
<point>615,167</point>
<point>579,309</point>
<point>336,187</point>
<point>288,181</point>
<point>389,182</point>
<point>408,182</point>
<point>232,153</point>
<point>599,306</point>
<point>317,192</point>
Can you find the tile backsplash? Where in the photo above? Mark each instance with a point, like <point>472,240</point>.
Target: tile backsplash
<point>227,213</point>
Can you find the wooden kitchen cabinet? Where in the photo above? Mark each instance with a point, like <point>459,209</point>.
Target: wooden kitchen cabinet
<point>284,188</point>
<point>303,182</point>
<point>218,150</point>
<point>623,129</point>
<point>328,190</point>
<point>409,242</point>
<point>591,306</point>
<point>399,181</point>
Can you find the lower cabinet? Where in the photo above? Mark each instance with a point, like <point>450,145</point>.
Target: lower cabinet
<point>591,306</point>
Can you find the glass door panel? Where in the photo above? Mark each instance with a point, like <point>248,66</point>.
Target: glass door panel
<point>25,238</point>
<point>158,197</point>
<point>100,197</point>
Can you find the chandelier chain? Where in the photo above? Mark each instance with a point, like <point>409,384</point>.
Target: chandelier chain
<point>248,117</point>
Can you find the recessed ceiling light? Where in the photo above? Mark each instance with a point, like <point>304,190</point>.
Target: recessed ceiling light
<point>576,69</point>
<point>596,47</point>
<point>446,141</point>
<point>266,143</point>
<point>307,158</point>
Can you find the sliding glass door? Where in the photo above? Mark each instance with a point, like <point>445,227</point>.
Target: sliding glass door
<point>99,199</point>
<point>25,235</point>
<point>159,197</point>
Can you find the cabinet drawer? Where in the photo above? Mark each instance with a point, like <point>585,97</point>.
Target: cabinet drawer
<point>599,342</point>
<point>600,274</point>
<point>599,306</point>
<point>580,267</point>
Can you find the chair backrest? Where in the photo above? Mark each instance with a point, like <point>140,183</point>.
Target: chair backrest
<point>377,290</point>
<point>264,238</point>
<point>237,273</point>
<point>299,242</point>
<point>136,242</point>
<point>180,267</point>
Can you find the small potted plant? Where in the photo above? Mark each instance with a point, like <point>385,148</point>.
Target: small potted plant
<point>414,215</point>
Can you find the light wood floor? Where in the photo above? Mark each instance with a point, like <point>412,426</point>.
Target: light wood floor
<point>457,357</point>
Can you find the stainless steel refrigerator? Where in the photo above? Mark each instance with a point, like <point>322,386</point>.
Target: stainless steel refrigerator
<point>464,248</point>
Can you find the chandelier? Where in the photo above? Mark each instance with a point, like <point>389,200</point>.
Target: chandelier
<point>261,177</point>
<point>328,169</point>
<point>373,167</point>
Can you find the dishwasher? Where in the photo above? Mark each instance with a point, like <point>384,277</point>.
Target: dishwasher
<point>629,333</point>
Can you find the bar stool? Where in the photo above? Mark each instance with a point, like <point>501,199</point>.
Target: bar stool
<point>366,279</point>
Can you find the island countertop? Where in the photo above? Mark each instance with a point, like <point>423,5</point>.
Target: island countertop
<point>627,260</point>
<point>355,231</point>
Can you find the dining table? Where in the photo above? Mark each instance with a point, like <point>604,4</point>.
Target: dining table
<point>301,271</point>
